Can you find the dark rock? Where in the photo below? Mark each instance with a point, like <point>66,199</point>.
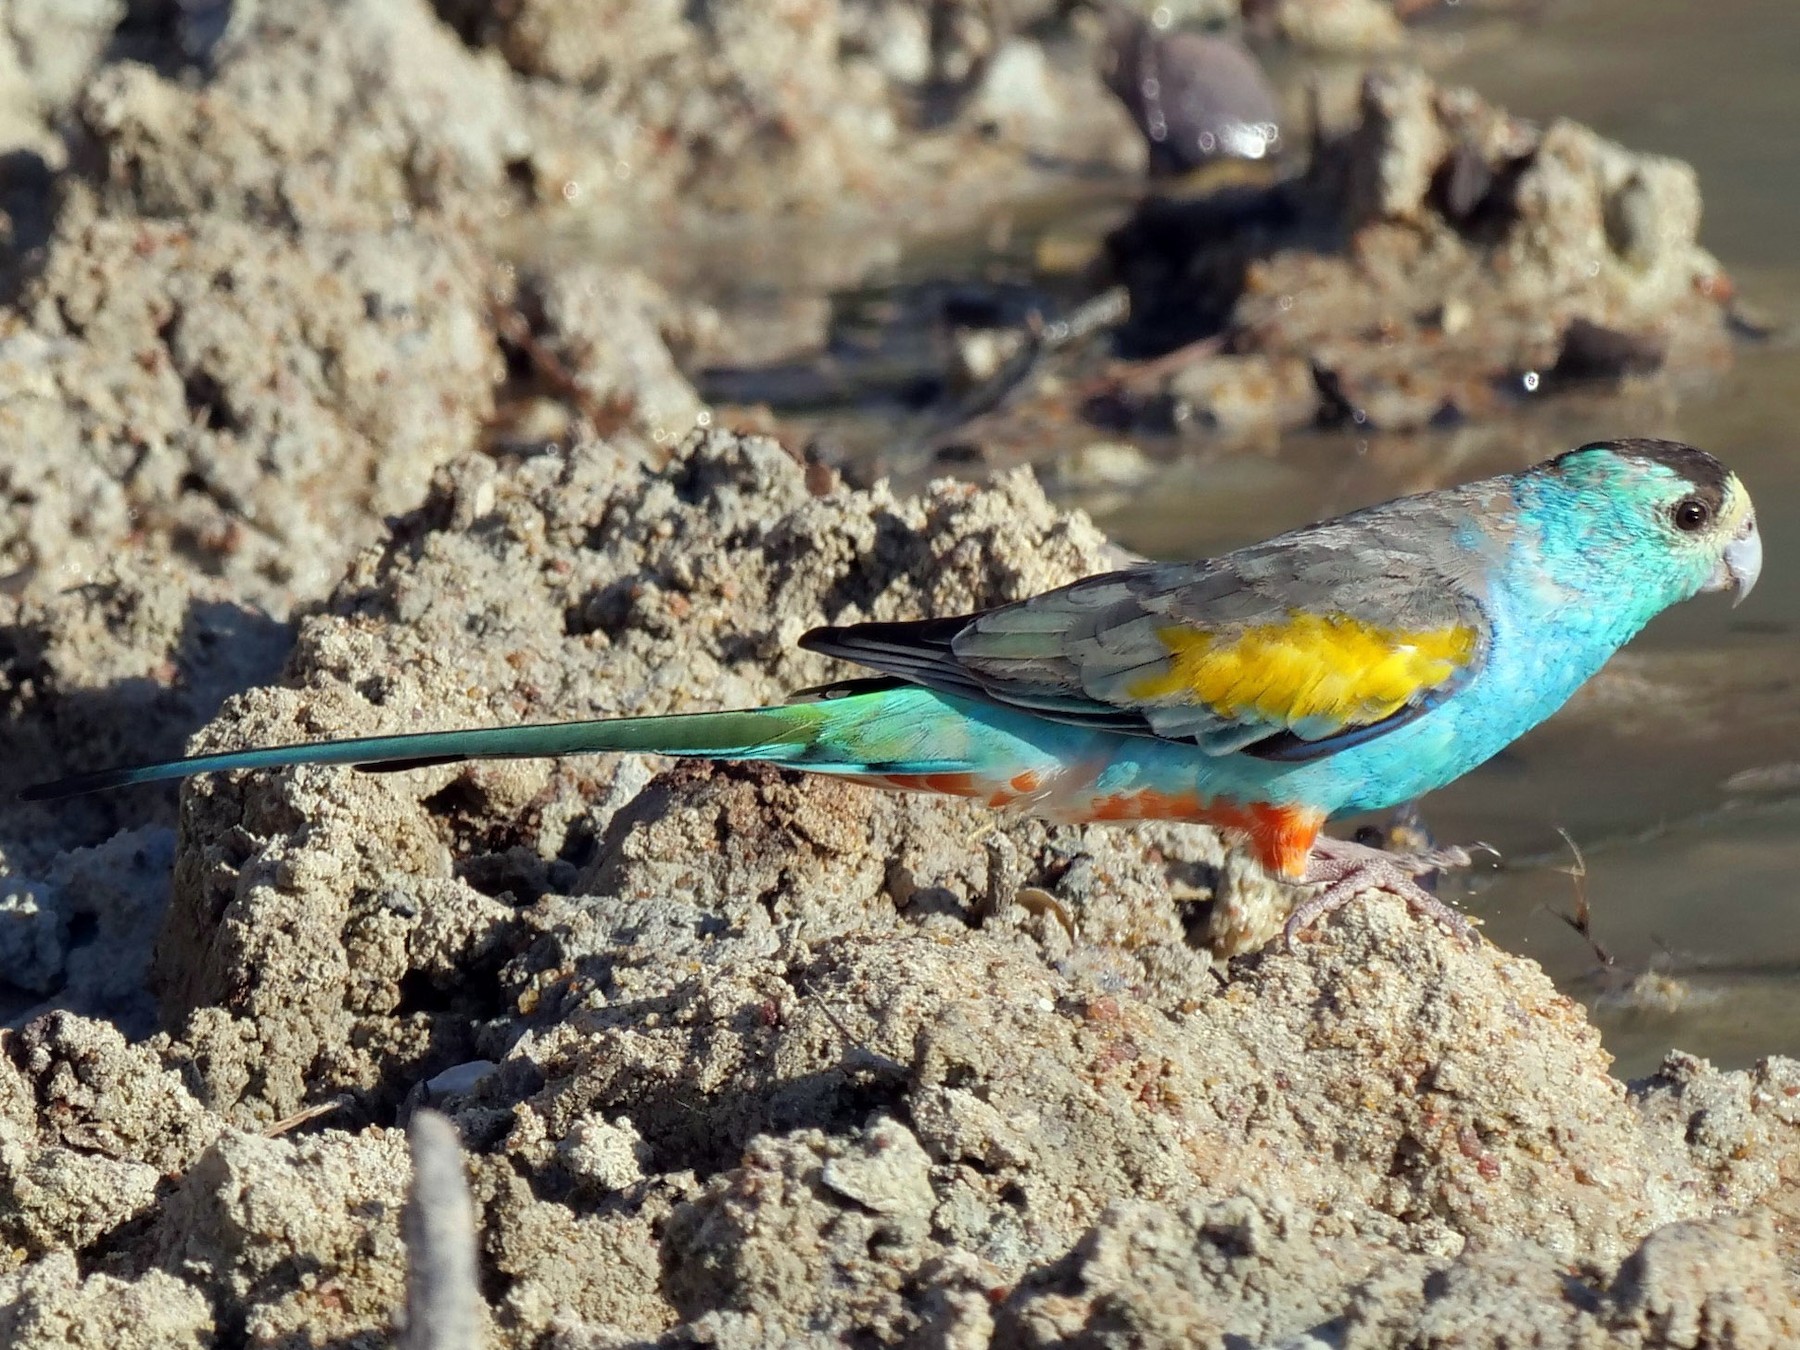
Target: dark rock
<point>1195,98</point>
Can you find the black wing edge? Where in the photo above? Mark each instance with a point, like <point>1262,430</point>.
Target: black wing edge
<point>917,651</point>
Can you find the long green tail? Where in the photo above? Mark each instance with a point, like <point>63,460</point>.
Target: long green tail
<point>890,730</point>
<point>788,734</point>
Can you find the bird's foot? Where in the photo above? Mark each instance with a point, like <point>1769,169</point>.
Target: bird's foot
<point>1345,870</point>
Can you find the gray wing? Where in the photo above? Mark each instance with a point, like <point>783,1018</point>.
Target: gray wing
<point>1288,649</point>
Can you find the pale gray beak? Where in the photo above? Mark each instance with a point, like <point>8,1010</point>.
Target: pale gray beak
<point>1740,564</point>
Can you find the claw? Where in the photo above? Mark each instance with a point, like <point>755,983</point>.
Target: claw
<point>1346,869</point>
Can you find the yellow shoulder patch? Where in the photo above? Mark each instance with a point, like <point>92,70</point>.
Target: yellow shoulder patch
<point>1327,666</point>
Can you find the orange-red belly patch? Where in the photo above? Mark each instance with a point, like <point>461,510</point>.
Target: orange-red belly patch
<point>1280,837</point>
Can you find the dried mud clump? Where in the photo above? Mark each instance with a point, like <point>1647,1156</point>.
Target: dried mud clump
<point>245,402</point>
<point>310,115</point>
<point>1442,261</point>
<point>753,1059</point>
<point>316,113</point>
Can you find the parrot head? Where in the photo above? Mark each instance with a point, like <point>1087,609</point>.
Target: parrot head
<point>1660,518</point>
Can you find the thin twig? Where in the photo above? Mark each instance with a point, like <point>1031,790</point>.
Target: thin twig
<point>1039,337</point>
<point>872,1059</point>
<point>443,1298</point>
<point>1582,920</point>
<point>301,1116</point>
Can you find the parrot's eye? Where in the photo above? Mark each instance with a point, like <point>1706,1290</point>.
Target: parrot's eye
<point>1690,514</point>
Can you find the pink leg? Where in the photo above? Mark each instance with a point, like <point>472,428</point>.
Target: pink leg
<point>1345,870</point>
